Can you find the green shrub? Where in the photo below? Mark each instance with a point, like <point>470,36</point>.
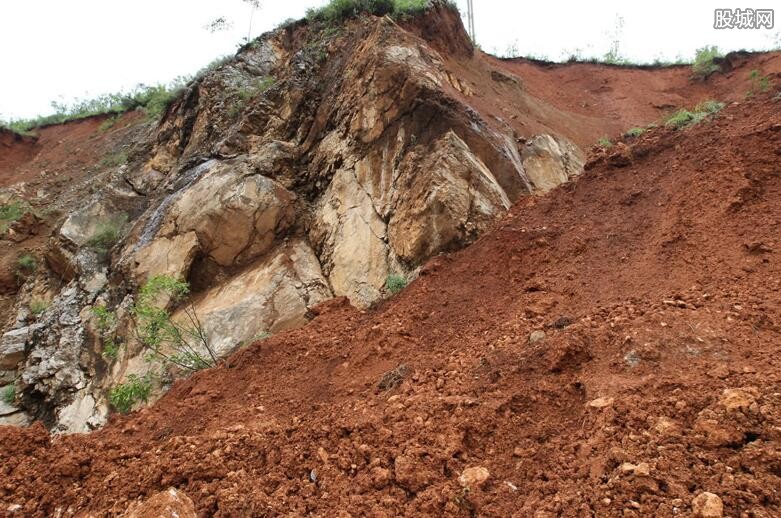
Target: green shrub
<point>26,264</point>
<point>635,132</point>
<point>110,348</point>
<point>185,346</point>
<point>38,306</point>
<point>605,142</point>
<point>394,283</point>
<point>8,394</point>
<point>107,233</point>
<point>125,395</point>
<point>10,212</point>
<point>105,320</point>
<point>155,100</point>
<point>704,61</point>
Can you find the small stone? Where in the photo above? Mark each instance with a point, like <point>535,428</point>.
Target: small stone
<point>720,371</point>
<point>666,426</point>
<point>380,477</point>
<point>165,503</point>
<point>601,402</point>
<point>737,399</point>
<point>474,477</point>
<point>640,470</point>
<point>323,455</point>
<point>707,505</point>
<point>536,336</point>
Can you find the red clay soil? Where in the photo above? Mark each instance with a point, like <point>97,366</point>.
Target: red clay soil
<point>63,151</point>
<point>658,287</point>
<point>613,99</point>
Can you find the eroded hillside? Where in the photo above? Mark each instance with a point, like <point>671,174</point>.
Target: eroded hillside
<point>608,347</point>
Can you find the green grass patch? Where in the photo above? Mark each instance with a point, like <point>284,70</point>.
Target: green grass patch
<point>634,132</point>
<point>605,142</point>
<point>107,233</point>
<point>8,394</point>
<point>105,320</point>
<point>247,92</point>
<point>683,117</point>
<point>114,159</point>
<point>125,396</point>
<point>10,212</point>
<point>38,307</point>
<point>759,83</point>
<point>108,123</point>
<point>26,264</point>
<point>394,283</point>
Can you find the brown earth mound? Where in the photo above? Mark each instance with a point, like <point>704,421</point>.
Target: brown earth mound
<point>610,349</point>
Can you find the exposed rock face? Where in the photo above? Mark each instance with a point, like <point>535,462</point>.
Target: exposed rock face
<point>307,167</point>
<point>550,161</point>
<point>270,296</point>
<point>234,212</point>
<point>167,256</point>
<point>457,199</point>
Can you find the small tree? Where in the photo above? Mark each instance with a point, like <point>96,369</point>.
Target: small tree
<point>254,6</point>
<point>125,395</point>
<point>183,345</point>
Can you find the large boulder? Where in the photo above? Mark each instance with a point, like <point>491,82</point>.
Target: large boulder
<point>447,198</point>
<point>352,240</point>
<point>550,161</point>
<point>167,256</point>
<point>272,295</point>
<point>12,346</point>
<point>235,213</point>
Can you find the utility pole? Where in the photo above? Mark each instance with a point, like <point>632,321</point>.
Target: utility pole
<point>470,19</point>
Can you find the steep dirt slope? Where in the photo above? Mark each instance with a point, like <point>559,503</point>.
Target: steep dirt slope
<point>59,155</point>
<point>656,285</point>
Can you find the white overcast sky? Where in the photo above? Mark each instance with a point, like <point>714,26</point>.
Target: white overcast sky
<point>66,49</point>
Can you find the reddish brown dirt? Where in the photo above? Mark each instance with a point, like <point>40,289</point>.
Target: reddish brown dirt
<point>658,287</point>
<point>59,154</point>
<point>581,101</point>
<point>613,99</point>
<point>15,150</point>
